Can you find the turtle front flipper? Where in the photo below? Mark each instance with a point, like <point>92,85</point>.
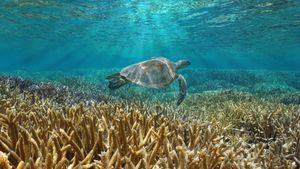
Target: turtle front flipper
<point>182,89</point>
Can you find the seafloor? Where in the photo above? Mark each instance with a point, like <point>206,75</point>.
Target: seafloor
<point>230,119</point>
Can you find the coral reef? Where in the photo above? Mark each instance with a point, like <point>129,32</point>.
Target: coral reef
<point>245,112</point>
<point>73,121</point>
<point>281,87</point>
<point>42,89</point>
<point>227,129</point>
<point>59,93</point>
<point>234,78</point>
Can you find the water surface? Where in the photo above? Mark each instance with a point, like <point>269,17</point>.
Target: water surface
<point>88,34</point>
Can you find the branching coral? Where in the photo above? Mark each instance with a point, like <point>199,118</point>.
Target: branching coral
<point>123,135</point>
<point>227,129</point>
<point>254,120</point>
<point>4,163</point>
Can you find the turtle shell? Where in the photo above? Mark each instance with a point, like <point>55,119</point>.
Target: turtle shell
<point>154,73</point>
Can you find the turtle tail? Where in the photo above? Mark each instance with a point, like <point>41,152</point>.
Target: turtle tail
<point>116,81</point>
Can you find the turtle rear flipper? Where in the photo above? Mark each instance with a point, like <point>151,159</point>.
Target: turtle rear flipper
<point>116,81</point>
<point>182,89</point>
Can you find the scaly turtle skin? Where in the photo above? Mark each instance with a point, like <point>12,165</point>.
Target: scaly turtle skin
<point>155,73</point>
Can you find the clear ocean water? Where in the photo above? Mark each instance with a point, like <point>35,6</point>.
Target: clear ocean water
<point>39,35</point>
<point>66,102</point>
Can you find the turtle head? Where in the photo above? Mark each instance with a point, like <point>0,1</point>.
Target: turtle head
<point>182,64</point>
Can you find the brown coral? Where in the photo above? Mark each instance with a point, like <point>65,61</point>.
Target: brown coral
<point>4,163</point>
<point>44,134</point>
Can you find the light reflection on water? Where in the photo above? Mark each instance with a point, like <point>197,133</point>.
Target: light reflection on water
<point>105,30</point>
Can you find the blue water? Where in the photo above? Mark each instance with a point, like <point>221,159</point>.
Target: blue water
<point>89,34</point>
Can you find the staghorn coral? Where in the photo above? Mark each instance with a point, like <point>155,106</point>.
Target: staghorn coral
<point>215,129</point>
<point>256,121</point>
<point>134,134</point>
<point>4,163</point>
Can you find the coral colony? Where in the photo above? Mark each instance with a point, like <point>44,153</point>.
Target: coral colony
<point>45,125</point>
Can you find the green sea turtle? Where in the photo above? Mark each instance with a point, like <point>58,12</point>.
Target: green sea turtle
<point>157,72</point>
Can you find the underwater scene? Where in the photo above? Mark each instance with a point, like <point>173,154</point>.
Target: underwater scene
<point>136,84</point>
